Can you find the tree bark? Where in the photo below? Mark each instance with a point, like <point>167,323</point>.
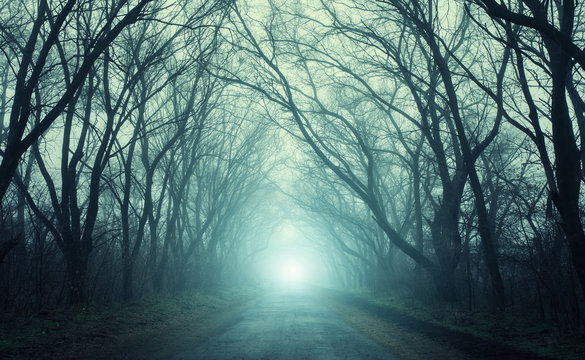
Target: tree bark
<point>76,269</point>
<point>6,246</point>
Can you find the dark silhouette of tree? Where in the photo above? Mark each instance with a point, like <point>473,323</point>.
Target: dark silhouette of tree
<point>556,26</point>
<point>44,42</point>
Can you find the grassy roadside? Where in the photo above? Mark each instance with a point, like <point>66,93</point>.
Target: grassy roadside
<point>540,338</point>
<point>543,340</point>
<point>120,330</point>
<point>398,340</point>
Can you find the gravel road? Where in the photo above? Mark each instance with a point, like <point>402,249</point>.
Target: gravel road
<point>288,324</point>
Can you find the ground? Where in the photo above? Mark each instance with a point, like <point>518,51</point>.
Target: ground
<point>152,328</point>
<point>250,324</point>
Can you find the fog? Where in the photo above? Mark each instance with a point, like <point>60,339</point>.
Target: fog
<point>291,259</point>
<point>428,151</point>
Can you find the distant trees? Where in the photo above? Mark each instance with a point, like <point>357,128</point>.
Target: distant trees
<point>361,248</point>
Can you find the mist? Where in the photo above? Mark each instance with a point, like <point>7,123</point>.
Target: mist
<point>385,169</point>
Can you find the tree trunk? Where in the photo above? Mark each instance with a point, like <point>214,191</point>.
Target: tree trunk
<point>445,284</point>
<point>76,274</point>
<point>127,279</point>
<point>6,246</point>
<point>484,228</point>
<point>567,161</point>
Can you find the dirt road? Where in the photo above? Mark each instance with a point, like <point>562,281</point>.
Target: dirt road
<point>287,324</point>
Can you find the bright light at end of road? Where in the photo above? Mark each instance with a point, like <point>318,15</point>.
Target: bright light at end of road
<point>292,274</point>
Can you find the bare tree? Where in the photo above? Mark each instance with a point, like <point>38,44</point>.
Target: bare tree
<point>556,24</point>
<point>44,41</point>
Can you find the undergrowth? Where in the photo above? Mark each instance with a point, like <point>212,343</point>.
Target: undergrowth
<point>541,338</point>
<point>24,329</point>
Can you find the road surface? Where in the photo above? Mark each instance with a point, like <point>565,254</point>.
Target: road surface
<point>288,324</point>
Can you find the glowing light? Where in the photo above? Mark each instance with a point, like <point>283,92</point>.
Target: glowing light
<point>292,274</point>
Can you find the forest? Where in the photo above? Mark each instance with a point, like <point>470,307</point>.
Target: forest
<point>432,149</point>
